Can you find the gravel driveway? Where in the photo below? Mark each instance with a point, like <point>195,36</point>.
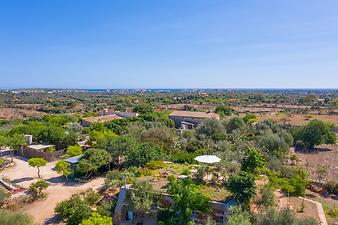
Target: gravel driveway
<point>43,210</point>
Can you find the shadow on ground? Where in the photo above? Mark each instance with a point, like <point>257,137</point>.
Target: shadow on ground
<point>62,180</point>
<point>19,180</point>
<point>53,220</point>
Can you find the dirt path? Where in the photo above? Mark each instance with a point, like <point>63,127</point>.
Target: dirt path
<point>43,210</point>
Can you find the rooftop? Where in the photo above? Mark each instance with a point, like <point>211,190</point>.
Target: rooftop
<point>74,159</point>
<point>40,146</point>
<point>193,114</point>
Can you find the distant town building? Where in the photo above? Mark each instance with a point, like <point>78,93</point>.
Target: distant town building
<point>190,119</point>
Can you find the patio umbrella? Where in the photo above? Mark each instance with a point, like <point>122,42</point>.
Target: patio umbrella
<point>207,159</point>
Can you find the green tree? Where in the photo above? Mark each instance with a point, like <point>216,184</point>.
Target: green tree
<point>118,147</point>
<point>74,150</point>
<point>145,152</point>
<point>266,197</point>
<point>62,167</point>
<point>223,110</point>
<point>238,216</point>
<point>3,143</point>
<point>273,144</point>
<point>250,118</point>
<point>252,161</point>
<point>143,108</point>
<point>37,163</point>
<point>115,178</point>
<point>243,187</point>
<point>211,128</point>
<point>142,196</point>
<point>93,160</point>
<point>15,218</point>
<point>73,210</point>
<point>315,133</point>
<point>97,219</point>
<point>58,136</point>
<point>15,142</point>
<point>234,124</point>
<point>187,198</point>
<point>37,188</point>
<point>281,217</point>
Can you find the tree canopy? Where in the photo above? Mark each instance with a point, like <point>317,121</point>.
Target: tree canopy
<point>37,163</point>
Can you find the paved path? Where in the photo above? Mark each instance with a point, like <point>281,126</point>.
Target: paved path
<point>43,210</point>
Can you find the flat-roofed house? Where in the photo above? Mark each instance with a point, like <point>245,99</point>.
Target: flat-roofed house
<point>190,119</point>
<point>106,112</point>
<point>47,152</point>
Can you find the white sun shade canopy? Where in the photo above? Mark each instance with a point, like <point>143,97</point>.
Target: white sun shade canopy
<point>207,159</point>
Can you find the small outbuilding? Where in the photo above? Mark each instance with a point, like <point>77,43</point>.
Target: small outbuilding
<point>73,162</point>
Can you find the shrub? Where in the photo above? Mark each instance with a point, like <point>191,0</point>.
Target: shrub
<point>91,197</point>
<point>183,157</point>
<point>155,165</point>
<point>37,188</point>
<point>332,187</point>
<point>145,172</point>
<point>15,218</point>
<point>74,150</point>
<point>73,210</point>
<point>4,195</point>
<point>97,219</point>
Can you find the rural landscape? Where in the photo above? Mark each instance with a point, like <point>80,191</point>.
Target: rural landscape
<point>169,157</point>
<point>205,112</point>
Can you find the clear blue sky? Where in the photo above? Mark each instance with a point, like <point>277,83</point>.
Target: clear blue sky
<point>169,44</point>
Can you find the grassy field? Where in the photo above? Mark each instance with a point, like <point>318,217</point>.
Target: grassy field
<point>298,119</point>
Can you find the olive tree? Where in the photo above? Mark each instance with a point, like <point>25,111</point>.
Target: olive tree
<point>37,163</point>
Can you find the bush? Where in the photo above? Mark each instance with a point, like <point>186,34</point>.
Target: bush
<point>74,150</point>
<point>4,195</point>
<point>332,187</point>
<point>237,215</point>
<point>183,157</point>
<point>15,218</point>
<point>145,172</point>
<point>155,165</point>
<point>91,197</point>
<point>107,208</point>
<point>73,210</point>
<point>37,188</point>
<point>97,219</point>
<point>282,217</point>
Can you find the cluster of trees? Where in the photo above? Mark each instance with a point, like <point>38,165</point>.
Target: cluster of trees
<point>314,133</point>
<point>187,199</point>
<point>59,130</point>
<point>77,210</point>
<point>270,216</point>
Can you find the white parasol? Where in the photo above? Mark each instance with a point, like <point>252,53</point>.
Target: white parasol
<point>207,159</point>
